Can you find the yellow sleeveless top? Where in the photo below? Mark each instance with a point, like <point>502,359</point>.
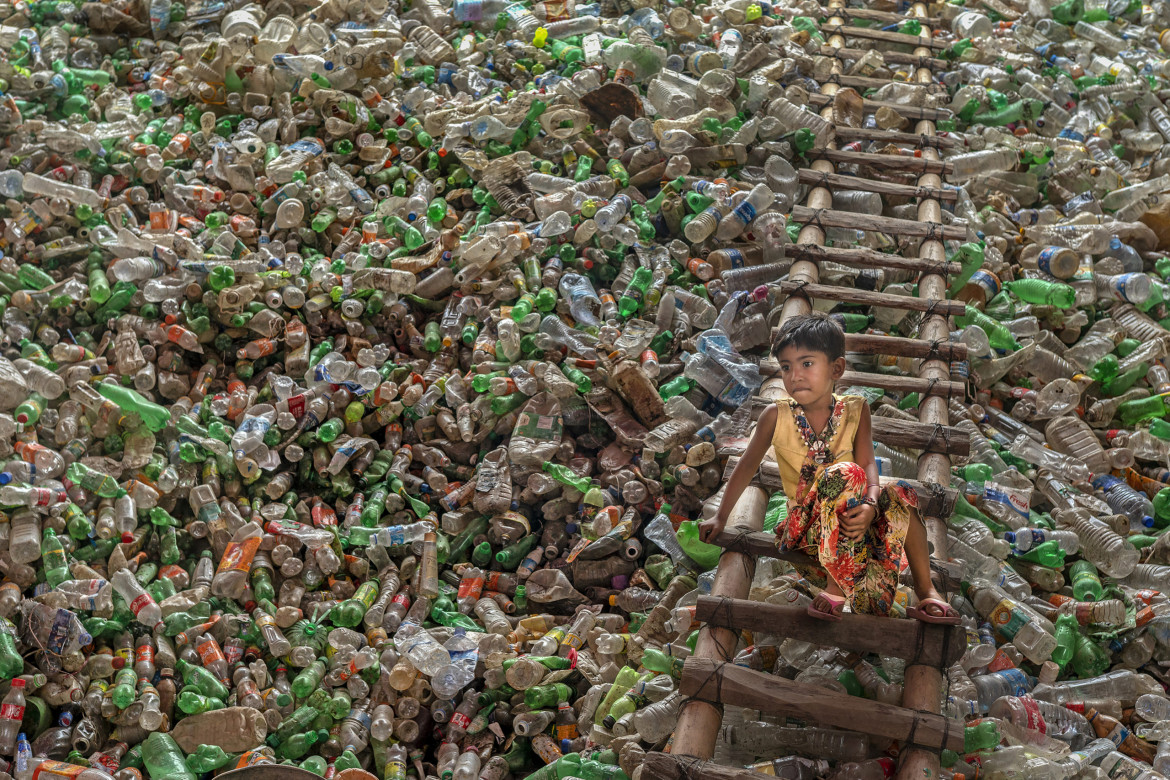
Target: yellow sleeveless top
<point>792,437</point>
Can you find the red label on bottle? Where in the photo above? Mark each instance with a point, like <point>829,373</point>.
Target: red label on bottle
<point>11,712</point>
<point>233,653</point>
<point>1035,719</point>
<point>460,720</point>
<point>140,602</point>
<point>296,406</point>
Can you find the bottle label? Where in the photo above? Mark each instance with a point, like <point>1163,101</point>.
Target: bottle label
<point>11,712</point>
<point>735,258</point>
<point>538,427</point>
<point>1013,499</point>
<point>1016,679</point>
<point>460,720</point>
<point>1118,734</point>
<point>51,769</point>
<point>238,555</point>
<point>209,652</point>
<point>1006,620</point>
<point>1035,721</point>
<point>1126,770</point>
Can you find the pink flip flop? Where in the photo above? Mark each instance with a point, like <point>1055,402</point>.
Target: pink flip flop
<point>835,603</point>
<point>949,616</point>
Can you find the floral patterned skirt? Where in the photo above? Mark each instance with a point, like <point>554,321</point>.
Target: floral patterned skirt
<point>866,569</point>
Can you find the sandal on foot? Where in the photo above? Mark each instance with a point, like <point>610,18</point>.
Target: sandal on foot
<point>826,606</point>
<point>949,616</point>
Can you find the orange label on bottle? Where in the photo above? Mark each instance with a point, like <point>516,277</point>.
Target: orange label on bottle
<point>50,769</point>
<point>238,555</point>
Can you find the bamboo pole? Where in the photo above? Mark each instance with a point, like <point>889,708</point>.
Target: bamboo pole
<point>699,721</point>
<point>923,684</point>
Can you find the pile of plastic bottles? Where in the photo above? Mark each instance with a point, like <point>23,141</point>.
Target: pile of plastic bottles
<point>366,367</point>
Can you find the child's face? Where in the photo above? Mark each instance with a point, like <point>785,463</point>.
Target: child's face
<point>809,375</point>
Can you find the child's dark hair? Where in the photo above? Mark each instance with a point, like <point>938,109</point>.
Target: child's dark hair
<point>816,331</point>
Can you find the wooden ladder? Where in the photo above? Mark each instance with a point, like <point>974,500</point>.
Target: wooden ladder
<point>709,679</point>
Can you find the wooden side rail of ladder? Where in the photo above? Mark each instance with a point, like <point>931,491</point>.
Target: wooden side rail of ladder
<point>709,679</point>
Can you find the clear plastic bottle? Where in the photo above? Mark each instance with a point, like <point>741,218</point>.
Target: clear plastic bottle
<point>1112,554</point>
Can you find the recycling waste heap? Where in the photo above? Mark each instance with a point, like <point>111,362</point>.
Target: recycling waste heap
<point>367,366</point>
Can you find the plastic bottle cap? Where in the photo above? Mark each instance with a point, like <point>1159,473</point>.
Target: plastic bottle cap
<point>127,537</point>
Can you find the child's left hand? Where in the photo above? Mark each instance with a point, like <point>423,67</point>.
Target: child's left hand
<point>854,522</point>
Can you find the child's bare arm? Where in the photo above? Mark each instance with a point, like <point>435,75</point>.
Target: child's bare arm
<point>857,520</point>
<point>863,449</point>
<point>742,475</point>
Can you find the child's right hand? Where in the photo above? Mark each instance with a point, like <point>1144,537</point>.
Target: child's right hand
<point>710,529</point>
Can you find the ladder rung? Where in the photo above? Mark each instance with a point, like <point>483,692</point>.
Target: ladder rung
<point>891,225</point>
<point>828,292</point>
<point>879,16</point>
<point>911,640</point>
<point>869,82</point>
<point>910,112</point>
<point>884,36</point>
<point>898,137</point>
<point>864,257</point>
<point>671,766</point>
<point>720,682</point>
<point>837,181</point>
<point>891,57</point>
<point>905,384</point>
<point>887,162</point>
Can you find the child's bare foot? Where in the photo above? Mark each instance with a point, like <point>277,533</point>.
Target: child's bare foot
<point>933,608</point>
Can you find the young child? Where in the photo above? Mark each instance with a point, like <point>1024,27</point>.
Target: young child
<point>838,514</point>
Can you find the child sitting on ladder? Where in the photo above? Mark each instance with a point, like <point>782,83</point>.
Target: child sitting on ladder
<point>838,514</point>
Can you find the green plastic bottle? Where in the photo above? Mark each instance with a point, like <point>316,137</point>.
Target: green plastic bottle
<point>207,758</point>
<point>164,758</point>
<point>1090,659</point>
<point>310,677</point>
<point>202,680</point>
<point>1047,554</point>
<point>1067,633</point>
<point>658,661</point>
<point>1042,292</point>
<point>155,417</point>
<point>123,692</point>
<point>706,555</point>
<point>982,736</point>
<point>543,697</point>
<point>1133,412</point>
<point>53,556</point>
<point>635,292</point>
<point>1086,583</point>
